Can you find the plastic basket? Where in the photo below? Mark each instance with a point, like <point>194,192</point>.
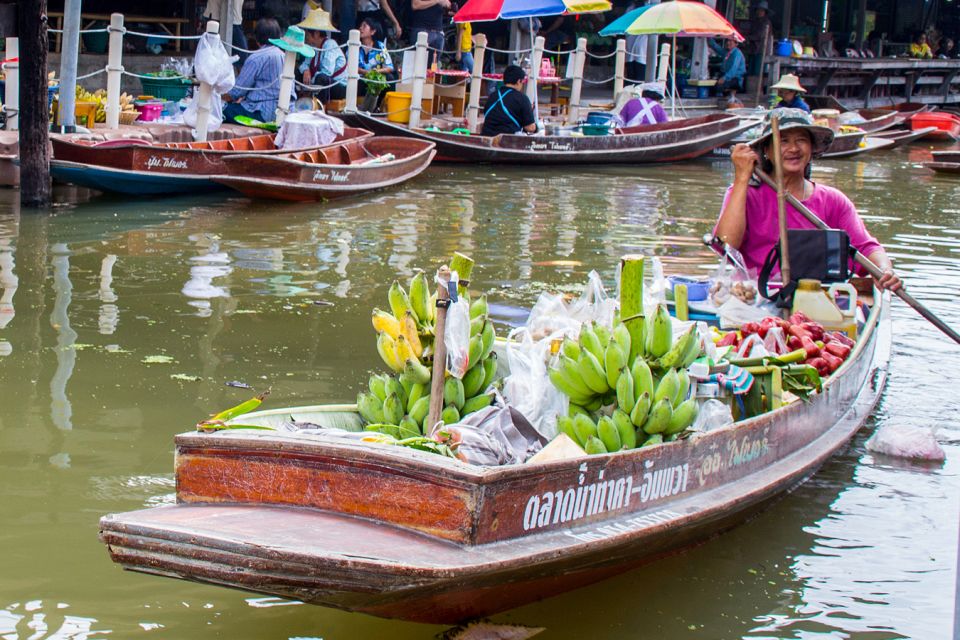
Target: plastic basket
<point>166,88</point>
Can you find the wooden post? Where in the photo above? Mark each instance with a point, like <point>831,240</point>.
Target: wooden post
<point>476,81</point>
<point>579,58</point>
<point>286,85</point>
<point>535,59</point>
<point>353,70</point>
<point>34,110</point>
<point>205,93</point>
<point>11,98</point>
<point>66,108</point>
<point>619,67</point>
<point>439,348</point>
<point>631,300</point>
<point>114,70</point>
<point>767,35</point>
<point>419,77</point>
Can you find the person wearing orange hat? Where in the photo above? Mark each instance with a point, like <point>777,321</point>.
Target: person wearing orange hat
<point>789,90</point>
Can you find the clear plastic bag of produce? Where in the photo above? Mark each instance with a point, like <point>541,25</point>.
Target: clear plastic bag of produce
<point>493,436</point>
<point>528,389</point>
<point>552,313</point>
<point>213,66</point>
<point>753,347</point>
<point>734,312</point>
<point>456,333</point>
<point>775,342</point>
<point>713,414</point>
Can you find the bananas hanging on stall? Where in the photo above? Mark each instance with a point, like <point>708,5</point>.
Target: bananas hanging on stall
<point>616,403</point>
<point>99,97</point>
<point>398,403</point>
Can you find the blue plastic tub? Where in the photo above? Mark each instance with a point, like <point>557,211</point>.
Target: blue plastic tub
<point>599,117</point>
<point>784,48</point>
<point>696,289</point>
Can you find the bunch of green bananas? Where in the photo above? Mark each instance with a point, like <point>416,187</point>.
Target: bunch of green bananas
<point>399,404</point>
<point>640,399</point>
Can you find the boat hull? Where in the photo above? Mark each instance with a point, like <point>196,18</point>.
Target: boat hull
<point>407,535</point>
<point>665,142</point>
<point>285,177</point>
<point>136,168</point>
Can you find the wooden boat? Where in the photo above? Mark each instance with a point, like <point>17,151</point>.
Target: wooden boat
<point>873,119</point>
<point>138,167</point>
<point>952,155</point>
<point>345,169</point>
<point>943,167</point>
<point>901,137</point>
<point>664,142</point>
<point>405,534</point>
<point>843,145</point>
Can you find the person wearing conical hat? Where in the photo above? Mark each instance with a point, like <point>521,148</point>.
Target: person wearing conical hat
<point>327,66</point>
<point>748,217</point>
<point>257,89</point>
<point>789,90</point>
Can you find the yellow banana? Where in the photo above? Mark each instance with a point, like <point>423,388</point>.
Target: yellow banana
<point>384,322</point>
<point>409,330</point>
<point>386,347</point>
<point>402,349</point>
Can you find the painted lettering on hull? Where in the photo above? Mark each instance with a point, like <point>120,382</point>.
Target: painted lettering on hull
<point>321,175</point>
<point>165,162</point>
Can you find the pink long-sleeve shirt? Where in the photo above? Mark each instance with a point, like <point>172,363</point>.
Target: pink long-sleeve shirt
<point>763,231</point>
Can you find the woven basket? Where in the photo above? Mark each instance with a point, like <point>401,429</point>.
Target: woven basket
<point>129,117</point>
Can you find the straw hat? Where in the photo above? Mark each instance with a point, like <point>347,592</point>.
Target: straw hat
<point>789,82</point>
<point>292,40</point>
<point>318,20</point>
<point>796,119</point>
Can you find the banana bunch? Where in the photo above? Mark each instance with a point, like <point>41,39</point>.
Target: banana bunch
<point>126,102</point>
<point>99,97</point>
<point>399,404</point>
<point>643,400</point>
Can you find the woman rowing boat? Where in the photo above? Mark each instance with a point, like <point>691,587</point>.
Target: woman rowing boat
<point>748,218</point>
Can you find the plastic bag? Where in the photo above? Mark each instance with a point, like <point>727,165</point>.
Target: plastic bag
<point>713,414</point>
<point>456,333</point>
<point>734,312</point>
<point>906,441</point>
<point>528,389</point>
<point>551,313</point>
<point>752,347</point>
<point>775,342</point>
<point>594,304</point>
<point>212,65</point>
<point>496,435</point>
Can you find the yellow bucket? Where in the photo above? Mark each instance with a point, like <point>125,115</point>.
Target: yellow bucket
<point>398,106</point>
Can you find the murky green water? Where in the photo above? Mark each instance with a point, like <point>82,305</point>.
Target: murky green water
<point>279,295</point>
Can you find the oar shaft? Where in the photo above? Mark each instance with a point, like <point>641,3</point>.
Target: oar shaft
<point>866,262</point>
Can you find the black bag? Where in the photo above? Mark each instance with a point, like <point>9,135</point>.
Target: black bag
<point>820,254</point>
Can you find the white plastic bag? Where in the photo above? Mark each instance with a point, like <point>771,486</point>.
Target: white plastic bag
<point>212,65</point>
<point>551,313</point>
<point>906,441</point>
<point>528,389</point>
<point>713,414</point>
<point>456,333</point>
<point>594,304</point>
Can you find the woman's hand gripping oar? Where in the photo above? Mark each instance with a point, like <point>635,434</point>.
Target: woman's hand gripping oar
<point>867,264</point>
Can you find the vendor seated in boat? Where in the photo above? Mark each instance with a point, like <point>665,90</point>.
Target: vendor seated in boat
<point>325,66</point>
<point>257,89</point>
<point>789,90</point>
<point>748,219</point>
<point>374,56</point>
<point>508,109</point>
<point>645,109</point>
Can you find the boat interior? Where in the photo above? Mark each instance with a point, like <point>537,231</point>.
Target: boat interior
<point>263,142</point>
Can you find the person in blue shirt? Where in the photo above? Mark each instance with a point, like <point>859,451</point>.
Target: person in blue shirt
<point>327,66</point>
<point>789,90</point>
<point>257,90</point>
<point>732,69</point>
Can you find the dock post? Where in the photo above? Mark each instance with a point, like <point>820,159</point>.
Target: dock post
<point>419,77</point>
<point>353,70</point>
<point>205,93</point>
<point>11,71</point>
<point>476,81</point>
<point>34,106</point>
<point>579,58</point>
<point>619,66</point>
<point>535,57</point>
<point>66,108</point>
<point>286,85</point>
<point>114,70</point>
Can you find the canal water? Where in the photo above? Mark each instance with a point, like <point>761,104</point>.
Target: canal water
<point>122,322</point>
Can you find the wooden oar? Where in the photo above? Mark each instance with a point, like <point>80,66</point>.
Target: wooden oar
<point>781,204</point>
<point>439,350</point>
<point>868,264</point>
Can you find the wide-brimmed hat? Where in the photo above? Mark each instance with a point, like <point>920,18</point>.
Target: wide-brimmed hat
<point>789,82</point>
<point>318,20</point>
<point>658,88</point>
<point>292,40</point>
<point>796,119</point>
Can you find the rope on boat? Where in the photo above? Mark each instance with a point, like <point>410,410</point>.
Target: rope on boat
<point>401,50</point>
<point>101,30</point>
<point>604,81</point>
<point>315,87</point>
<point>276,81</point>
<point>161,35</point>
<point>236,48</point>
<point>559,53</point>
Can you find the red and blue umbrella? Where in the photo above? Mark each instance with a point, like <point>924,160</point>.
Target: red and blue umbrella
<point>485,10</point>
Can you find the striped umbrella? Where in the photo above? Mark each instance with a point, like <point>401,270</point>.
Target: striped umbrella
<point>679,18</point>
<point>485,10</point>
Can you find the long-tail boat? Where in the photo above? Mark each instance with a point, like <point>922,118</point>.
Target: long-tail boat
<point>665,142</point>
<point>345,169</point>
<point>138,167</point>
<point>406,534</point>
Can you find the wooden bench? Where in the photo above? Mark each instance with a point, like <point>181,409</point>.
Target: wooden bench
<point>88,20</point>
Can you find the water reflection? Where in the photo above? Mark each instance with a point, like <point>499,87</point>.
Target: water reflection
<point>61,410</point>
<point>109,312</point>
<point>211,264</point>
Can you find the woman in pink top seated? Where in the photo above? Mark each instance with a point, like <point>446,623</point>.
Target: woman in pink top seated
<point>748,219</point>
